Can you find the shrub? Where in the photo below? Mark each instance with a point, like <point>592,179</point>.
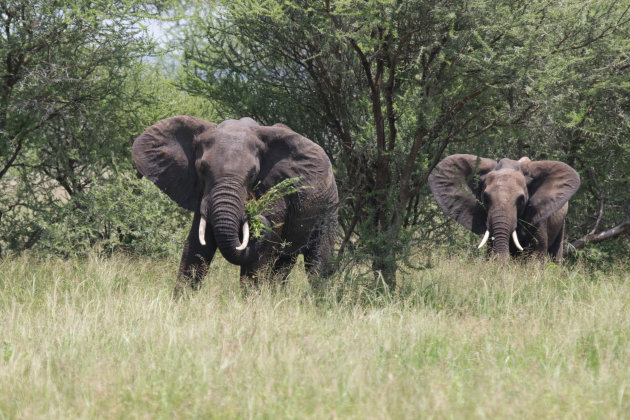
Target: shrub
<point>123,213</point>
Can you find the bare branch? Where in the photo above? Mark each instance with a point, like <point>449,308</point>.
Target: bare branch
<point>601,200</point>
<point>13,157</point>
<point>620,229</point>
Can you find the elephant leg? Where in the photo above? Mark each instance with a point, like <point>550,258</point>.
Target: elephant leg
<point>195,260</point>
<point>540,242</point>
<point>249,278</point>
<point>555,250</point>
<point>282,267</point>
<point>250,273</point>
<point>318,254</point>
<point>555,233</point>
<point>280,270</point>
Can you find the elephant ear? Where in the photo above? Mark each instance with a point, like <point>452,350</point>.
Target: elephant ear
<point>288,154</point>
<point>550,185</point>
<point>165,154</point>
<point>457,184</point>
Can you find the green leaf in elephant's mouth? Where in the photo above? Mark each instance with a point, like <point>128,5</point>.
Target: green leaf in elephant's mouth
<point>266,202</point>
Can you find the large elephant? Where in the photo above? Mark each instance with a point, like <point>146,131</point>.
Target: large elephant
<point>212,170</point>
<point>524,200</point>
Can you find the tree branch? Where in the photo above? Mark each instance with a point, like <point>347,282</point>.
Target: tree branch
<point>601,201</point>
<point>14,155</point>
<point>594,238</point>
<point>350,230</point>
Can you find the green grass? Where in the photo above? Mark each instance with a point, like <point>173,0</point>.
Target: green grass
<point>102,338</point>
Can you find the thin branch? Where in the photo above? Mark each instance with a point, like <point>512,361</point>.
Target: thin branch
<point>603,34</point>
<point>601,201</point>
<point>13,157</point>
<point>350,230</point>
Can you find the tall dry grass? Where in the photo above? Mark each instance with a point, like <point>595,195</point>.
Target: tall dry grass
<point>102,338</point>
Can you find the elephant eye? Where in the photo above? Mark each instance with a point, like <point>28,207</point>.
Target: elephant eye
<point>486,198</point>
<point>251,176</point>
<point>520,201</point>
<point>203,169</point>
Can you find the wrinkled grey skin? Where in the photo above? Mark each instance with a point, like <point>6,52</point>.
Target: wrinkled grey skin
<point>530,197</point>
<point>212,170</point>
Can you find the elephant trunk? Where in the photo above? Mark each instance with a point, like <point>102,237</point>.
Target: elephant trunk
<point>202,233</point>
<point>514,239</point>
<point>501,227</point>
<point>224,207</point>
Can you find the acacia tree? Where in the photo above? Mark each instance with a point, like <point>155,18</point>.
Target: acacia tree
<point>385,86</point>
<point>65,68</point>
<point>59,58</point>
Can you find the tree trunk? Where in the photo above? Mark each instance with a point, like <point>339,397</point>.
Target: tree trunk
<point>384,267</point>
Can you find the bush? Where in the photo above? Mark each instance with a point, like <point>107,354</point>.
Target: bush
<point>121,214</point>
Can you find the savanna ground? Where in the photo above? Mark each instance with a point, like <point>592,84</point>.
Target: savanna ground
<point>464,338</point>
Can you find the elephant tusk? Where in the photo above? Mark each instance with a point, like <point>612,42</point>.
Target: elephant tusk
<point>202,231</point>
<point>245,237</point>
<point>515,239</point>
<point>485,239</point>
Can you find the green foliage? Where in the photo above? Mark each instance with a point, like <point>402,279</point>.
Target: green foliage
<point>120,214</point>
<point>59,61</point>
<point>64,67</point>
<point>267,201</point>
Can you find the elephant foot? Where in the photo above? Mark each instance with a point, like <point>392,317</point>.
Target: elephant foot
<point>184,285</point>
<point>249,281</point>
<point>179,290</point>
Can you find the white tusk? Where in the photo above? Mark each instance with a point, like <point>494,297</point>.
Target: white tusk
<point>202,231</point>
<point>484,240</point>
<point>515,239</point>
<point>245,237</point>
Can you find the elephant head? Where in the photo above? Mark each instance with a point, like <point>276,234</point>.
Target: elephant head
<point>212,170</point>
<point>492,198</point>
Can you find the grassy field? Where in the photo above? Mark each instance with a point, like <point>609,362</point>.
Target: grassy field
<point>102,338</point>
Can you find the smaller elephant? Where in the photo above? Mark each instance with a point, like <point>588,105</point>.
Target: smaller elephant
<point>213,170</point>
<point>524,200</point>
